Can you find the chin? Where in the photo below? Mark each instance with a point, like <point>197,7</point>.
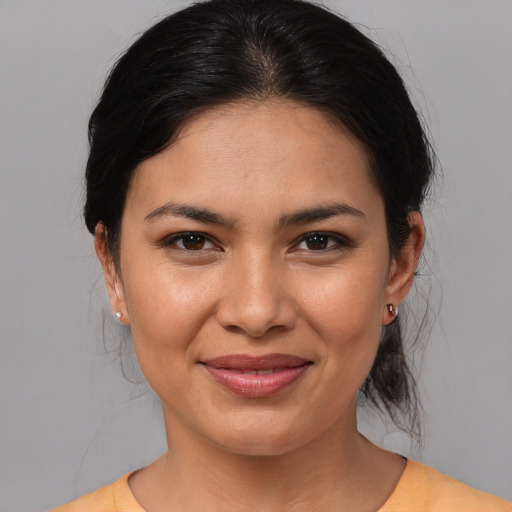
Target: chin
<point>262,438</point>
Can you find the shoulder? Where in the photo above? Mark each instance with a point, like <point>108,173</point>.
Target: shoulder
<point>423,489</point>
<point>115,497</point>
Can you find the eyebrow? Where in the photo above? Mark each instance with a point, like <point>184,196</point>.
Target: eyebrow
<point>316,213</point>
<point>189,212</point>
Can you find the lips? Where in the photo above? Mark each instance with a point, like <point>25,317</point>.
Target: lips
<point>256,377</point>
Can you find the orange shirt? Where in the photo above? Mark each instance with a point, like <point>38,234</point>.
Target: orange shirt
<point>420,489</point>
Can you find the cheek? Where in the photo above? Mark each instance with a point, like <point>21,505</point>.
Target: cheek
<point>345,310</point>
<point>345,301</point>
<point>167,309</point>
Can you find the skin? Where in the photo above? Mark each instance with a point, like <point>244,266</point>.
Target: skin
<point>254,285</point>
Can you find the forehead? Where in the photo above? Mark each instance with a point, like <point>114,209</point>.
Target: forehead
<point>251,154</point>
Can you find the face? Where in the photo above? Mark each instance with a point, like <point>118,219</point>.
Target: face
<point>254,272</point>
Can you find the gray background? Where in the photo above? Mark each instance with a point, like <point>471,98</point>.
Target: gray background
<point>69,420</point>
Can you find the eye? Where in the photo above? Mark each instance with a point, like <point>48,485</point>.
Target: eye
<point>320,242</point>
<point>189,242</point>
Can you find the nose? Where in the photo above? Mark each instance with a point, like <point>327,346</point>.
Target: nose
<point>255,299</point>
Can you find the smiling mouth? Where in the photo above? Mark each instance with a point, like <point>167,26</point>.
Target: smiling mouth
<point>256,377</point>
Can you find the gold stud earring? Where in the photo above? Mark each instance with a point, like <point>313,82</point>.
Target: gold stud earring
<point>393,311</point>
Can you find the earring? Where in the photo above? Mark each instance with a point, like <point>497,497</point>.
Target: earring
<point>393,311</point>
<point>119,315</point>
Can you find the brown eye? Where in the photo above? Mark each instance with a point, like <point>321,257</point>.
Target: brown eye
<point>317,242</point>
<point>189,242</point>
<point>193,242</point>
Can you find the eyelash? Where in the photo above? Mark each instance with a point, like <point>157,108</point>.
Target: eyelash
<point>339,242</point>
<point>174,240</point>
<point>336,242</point>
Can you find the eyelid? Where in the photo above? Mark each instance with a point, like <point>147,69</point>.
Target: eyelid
<point>169,241</point>
<point>341,241</point>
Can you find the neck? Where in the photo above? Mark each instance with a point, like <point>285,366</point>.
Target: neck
<point>338,470</point>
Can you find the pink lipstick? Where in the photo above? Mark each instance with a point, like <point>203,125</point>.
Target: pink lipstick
<point>256,377</point>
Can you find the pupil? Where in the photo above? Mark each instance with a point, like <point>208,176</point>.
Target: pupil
<point>193,242</point>
<point>317,242</point>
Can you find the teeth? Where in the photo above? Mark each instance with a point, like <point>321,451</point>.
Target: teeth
<point>266,372</point>
<point>259,372</point>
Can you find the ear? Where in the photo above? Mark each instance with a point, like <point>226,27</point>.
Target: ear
<point>113,281</point>
<point>403,268</point>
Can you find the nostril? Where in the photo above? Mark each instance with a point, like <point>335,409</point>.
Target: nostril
<point>255,332</point>
<point>233,329</point>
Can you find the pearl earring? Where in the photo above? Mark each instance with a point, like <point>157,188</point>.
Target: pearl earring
<point>119,315</point>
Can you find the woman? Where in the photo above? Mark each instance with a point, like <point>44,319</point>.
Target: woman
<point>254,187</point>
